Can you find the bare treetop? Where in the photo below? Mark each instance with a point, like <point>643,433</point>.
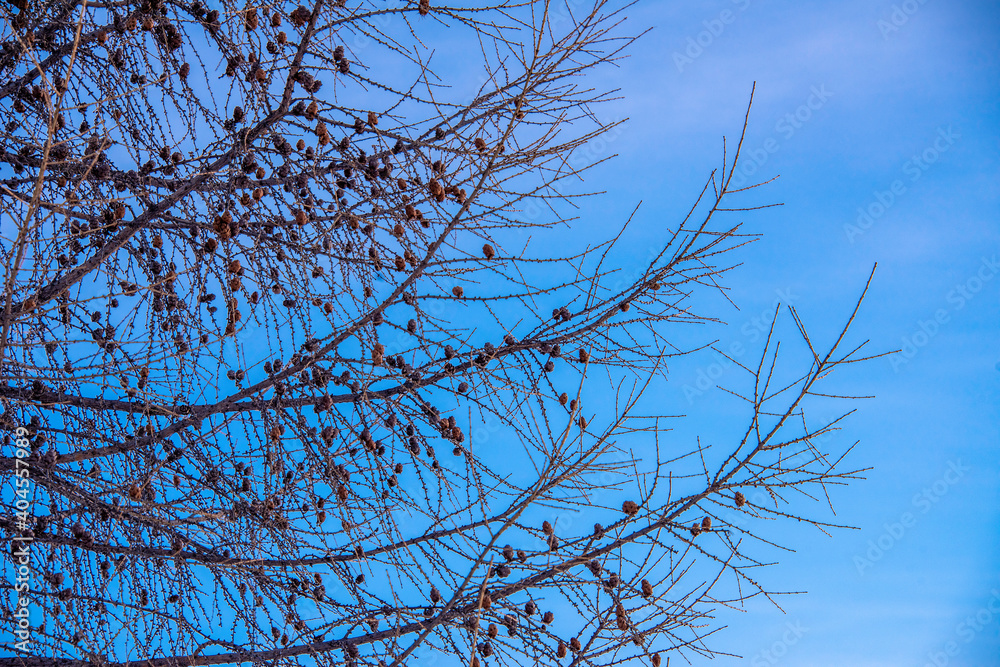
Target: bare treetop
<point>310,357</point>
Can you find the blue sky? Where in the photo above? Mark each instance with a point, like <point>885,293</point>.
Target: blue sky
<point>890,108</point>
<point>881,120</point>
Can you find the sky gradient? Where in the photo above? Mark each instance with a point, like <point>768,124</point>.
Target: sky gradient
<point>881,120</point>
